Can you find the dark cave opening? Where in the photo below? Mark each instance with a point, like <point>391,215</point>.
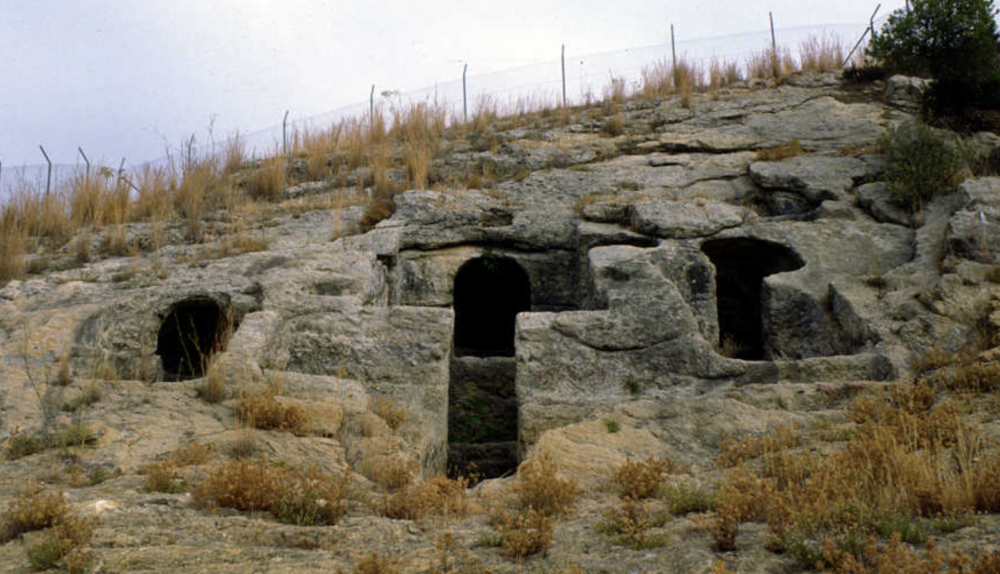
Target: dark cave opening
<point>740,267</point>
<point>489,292</point>
<point>189,335</point>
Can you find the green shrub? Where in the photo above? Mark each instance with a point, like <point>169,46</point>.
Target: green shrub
<point>45,554</point>
<point>953,41</point>
<point>920,164</point>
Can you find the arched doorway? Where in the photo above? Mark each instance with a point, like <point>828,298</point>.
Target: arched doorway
<point>192,331</point>
<point>740,267</point>
<point>488,293</point>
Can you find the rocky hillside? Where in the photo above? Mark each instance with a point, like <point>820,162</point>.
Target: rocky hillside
<point>704,330</point>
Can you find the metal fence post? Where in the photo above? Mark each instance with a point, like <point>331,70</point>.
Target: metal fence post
<point>284,134</point>
<point>871,21</point>
<point>868,30</point>
<point>190,152</point>
<point>673,46</point>
<point>774,46</point>
<point>371,108</point>
<point>85,160</point>
<point>121,172</point>
<point>465,98</point>
<point>48,180</point>
<point>564,73</point>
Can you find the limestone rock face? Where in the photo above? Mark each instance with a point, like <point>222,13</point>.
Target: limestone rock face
<point>815,178</point>
<point>905,92</point>
<point>619,245</point>
<point>974,230</point>
<point>602,298</point>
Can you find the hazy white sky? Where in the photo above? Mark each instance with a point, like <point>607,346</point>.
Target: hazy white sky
<point>124,77</point>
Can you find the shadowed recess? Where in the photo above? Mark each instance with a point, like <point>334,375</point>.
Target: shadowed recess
<point>190,334</point>
<point>489,292</point>
<point>740,267</point>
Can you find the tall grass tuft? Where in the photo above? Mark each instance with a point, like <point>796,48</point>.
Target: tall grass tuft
<point>12,240</point>
<point>821,54</point>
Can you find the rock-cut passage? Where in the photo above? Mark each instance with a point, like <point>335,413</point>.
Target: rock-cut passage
<point>190,334</point>
<point>489,292</point>
<point>740,267</point>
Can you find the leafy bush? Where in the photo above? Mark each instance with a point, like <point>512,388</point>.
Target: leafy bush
<point>954,41</point>
<point>920,164</point>
<point>687,498</point>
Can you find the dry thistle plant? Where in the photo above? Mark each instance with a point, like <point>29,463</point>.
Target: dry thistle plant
<point>298,496</point>
<point>264,411</point>
<point>523,533</point>
<point>389,471</point>
<point>631,523</point>
<point>34,509</point>
<point>539,487</point>
<point>640,479</point>
<point>439,496</point>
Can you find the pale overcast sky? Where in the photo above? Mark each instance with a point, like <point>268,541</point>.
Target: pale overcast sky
<point>123,77</point>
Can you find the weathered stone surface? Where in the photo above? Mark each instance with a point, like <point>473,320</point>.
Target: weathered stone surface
<point>821,124</point>
<point>613,235</point>
<point>400,352</point>
<point>683,220</point>
<point>905,92</point>
<point>817,178</point>
<point>874,197</point>
<point>973,231</point>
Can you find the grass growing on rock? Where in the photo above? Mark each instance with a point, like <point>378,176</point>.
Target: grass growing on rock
<point>911,460</point>
<point>298,496</point>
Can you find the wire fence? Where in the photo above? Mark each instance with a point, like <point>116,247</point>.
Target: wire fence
<point>568,78</point>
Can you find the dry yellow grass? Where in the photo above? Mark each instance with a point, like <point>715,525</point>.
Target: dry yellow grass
<point>264,411</point>
<point>640,479</point>
<point>780,152</point>
<point>408,136</point>
<point>418,163</point>
<point>616,90</point>
<point>234,154</point>
<point>301,496</point>
<point>12,240</point>
<point>657,79</point>
<point>268,180</point>
<point>821,53</point>
<point>439,496</point>
<point>914,458</point>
